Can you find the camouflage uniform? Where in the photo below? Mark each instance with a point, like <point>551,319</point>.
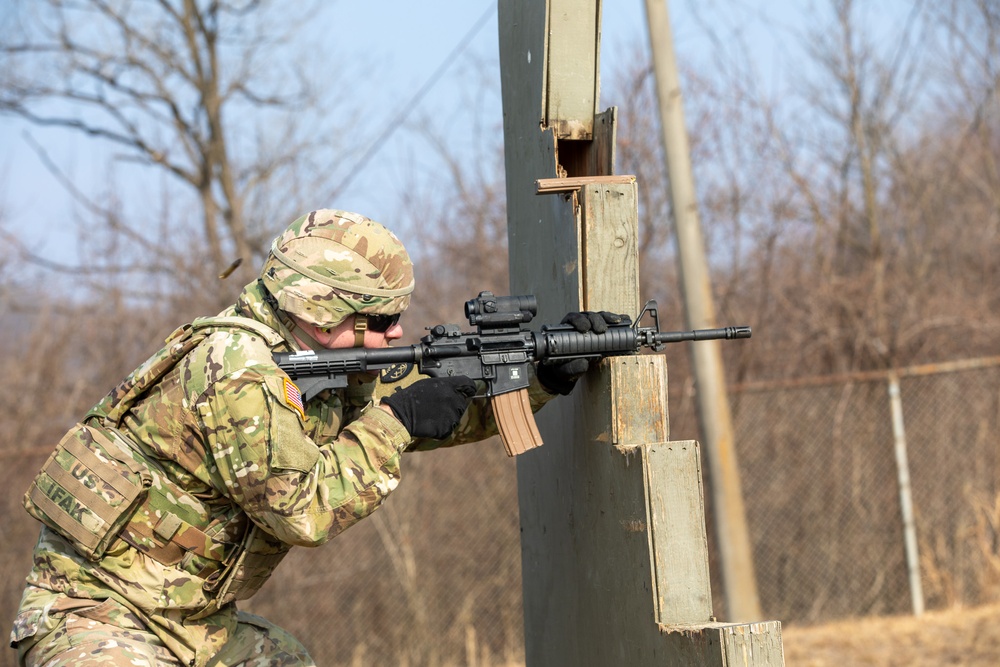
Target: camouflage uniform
<point>242,471</point>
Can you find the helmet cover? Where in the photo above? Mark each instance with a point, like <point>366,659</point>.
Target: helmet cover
<point>329,264</point>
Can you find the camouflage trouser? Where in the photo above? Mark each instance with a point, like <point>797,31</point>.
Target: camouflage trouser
<point>82,641</point>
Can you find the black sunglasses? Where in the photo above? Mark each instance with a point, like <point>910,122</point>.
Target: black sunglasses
<point>382,323</point>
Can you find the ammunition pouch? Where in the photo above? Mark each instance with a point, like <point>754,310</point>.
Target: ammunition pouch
<point>88,489</point>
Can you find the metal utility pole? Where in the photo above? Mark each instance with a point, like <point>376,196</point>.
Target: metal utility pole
<point>739,580</point>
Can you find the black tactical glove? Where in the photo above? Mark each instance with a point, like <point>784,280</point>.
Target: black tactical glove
<point>594,321</point>
<point>431,408</point>
<point>561,376</point>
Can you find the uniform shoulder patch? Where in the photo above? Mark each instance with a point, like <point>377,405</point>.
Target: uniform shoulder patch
<point>396,372</point>
<point>293,397</point>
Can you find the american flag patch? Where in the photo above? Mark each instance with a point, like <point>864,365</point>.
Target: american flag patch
<point>293,397</point>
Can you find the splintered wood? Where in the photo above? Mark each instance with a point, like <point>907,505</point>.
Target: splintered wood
<point>546,186</point>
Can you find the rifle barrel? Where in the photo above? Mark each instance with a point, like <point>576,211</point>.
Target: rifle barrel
<point>725,333</point>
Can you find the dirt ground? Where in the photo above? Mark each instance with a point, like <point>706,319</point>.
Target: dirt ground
<point>968,637</point>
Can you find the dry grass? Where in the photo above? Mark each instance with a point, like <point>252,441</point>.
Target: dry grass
<point>968,637</point>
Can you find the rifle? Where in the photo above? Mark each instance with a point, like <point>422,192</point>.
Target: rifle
<point>497,352</point>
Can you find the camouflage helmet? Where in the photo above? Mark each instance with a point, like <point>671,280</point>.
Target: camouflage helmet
<point>330,264</point>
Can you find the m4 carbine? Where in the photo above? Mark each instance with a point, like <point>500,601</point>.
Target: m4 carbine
<point>498,352</point>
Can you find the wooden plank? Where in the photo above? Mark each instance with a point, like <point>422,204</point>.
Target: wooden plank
<point>573,80</point>
<point>544,186</point>
<point>724,644</point>
<point>752,644</point>
<point>678,537</point>
<point>610,252</point>
<point>638,417</point>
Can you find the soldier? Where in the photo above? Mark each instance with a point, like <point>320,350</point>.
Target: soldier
<point>183,489</point>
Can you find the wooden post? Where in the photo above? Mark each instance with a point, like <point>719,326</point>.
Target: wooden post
<point>614,550</point>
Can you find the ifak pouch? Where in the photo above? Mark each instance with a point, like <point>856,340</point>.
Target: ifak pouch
<point>89,488</point>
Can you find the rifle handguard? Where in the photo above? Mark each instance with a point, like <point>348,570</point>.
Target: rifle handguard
<point>515,421</point>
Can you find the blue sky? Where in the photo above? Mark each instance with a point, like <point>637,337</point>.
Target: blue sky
<point>416,38</point>
<point>404,42</point>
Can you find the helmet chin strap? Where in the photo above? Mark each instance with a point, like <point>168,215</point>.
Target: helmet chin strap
<point>360,327</point>
<point>296,333</point>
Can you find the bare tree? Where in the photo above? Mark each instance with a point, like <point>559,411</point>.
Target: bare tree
<point>835,210</point>
<point>208,111</point>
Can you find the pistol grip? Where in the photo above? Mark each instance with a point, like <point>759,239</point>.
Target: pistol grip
<point>515,421</point>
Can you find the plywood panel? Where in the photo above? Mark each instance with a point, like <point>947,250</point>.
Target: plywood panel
<point>612,526</point>
<point>542,235</point>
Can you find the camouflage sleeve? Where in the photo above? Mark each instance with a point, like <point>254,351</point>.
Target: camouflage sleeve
<point>301,490</point>
<point>477,424</point>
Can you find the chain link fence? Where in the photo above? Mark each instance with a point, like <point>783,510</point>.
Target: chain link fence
<point>433,578</point>
<point>828,477</point>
